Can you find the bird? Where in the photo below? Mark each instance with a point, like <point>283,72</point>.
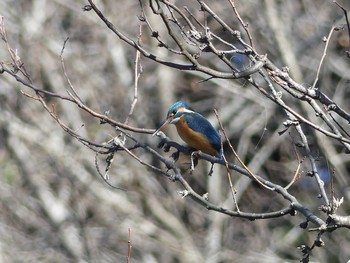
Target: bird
<point>193,128</point>
<point>240,61</point>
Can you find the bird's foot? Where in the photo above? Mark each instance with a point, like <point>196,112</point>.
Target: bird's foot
<point>175,155</point>
<point>211,169</point>
<point>194,160</point>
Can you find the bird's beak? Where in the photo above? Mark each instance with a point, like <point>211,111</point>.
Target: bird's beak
<point>163,126</point>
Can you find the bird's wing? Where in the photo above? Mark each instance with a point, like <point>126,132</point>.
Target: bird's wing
<point>200,124</point>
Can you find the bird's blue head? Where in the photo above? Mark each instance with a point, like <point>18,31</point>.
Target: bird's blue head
<point>174,113</point>
<point>178,106</point>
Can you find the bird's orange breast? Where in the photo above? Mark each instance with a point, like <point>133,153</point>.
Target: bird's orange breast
<point>194,139</point>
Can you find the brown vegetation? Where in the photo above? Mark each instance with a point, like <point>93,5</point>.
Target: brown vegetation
<point>285,111</point>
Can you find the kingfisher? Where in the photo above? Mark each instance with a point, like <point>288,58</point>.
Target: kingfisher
<point>193,128</point>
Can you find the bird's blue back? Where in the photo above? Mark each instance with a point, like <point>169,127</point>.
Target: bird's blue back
<point>201,125</point>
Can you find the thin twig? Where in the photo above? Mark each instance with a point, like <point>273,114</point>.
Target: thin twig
<point>102,117</point>
<point>233,191</point>
<point>245,25</point>
<point>138,71</point>
<point>66,75</point>
<point>332,192</point>
<point>323,57</point>
<point>341,127</point>
<point>347,22</point>
<point>300,161</point>
<point>105,179</point>
<point>128,258</point>
<point>236,155</point>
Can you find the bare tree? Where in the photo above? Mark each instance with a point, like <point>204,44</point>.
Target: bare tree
<point>284,130</point>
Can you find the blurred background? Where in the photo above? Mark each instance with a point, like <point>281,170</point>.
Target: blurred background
<point>56,208</point>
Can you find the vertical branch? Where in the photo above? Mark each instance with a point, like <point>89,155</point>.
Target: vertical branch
<point>233,191</point>
<point>16,59</point>
<point>129,247</point>
<point>245,25</point>
<point>76,96</point>
<point>312,160</point>
<point>138,71</point>
<point>347,22</point>
<point>332,192</point>
<point>239,159</point>
<point>300,161</point>
<point>323,57</point>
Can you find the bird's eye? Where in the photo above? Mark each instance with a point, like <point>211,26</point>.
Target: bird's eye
<point>172,113</point>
